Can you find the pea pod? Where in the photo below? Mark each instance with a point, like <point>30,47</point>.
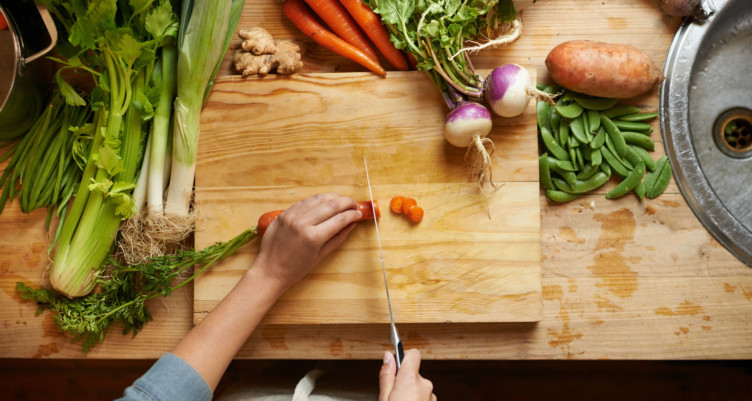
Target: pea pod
<point>638,117</point>
<point>594,182</point>
<point>645,156</point>
<point>599,140</point>
<point>571,110</point>
<point>606,168</point>
<point>569,176</point>
<point>550,143</point>
<point>632,126</point>
<point>640,190</point>
<point>544,172</point>
<point>652,176</point>
<point>562,185</point>
<point>657,181</point>
<point>628,183</point>
<point>594,120</point>
<point>616,137</point>
<point>621,110</point>
<point>588,171</point>
<point>595,103</point>
<point>563,132</point>
<point>614,162</point>
<point>561,196</point>
<point>632,157</point>
<point>640,140</point>
<point>541,113</point>
<point>580,158</point>
<point>554,120</point>
<point>565,165</point>
<point>578,130</point>
<point>596,157</point>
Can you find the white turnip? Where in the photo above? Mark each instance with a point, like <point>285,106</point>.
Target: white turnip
<point>509,89</point>
<point>467,126</point>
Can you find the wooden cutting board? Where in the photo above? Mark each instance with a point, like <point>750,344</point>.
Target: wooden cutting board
<point>268,142</point>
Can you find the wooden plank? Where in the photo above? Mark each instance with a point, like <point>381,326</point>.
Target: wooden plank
<point>267,143</point>
<point>692,299</point>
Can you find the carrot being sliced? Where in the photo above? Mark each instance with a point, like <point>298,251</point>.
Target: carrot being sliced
<point>343,25</point>
<point>303,18</point>
<point>370,22</point>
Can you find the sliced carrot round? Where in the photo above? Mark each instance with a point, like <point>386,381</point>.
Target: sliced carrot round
<point>416,214</point>
<point>408,204</point>
<point>396,204</point>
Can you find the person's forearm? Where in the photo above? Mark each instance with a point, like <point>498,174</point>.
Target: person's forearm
<point>213,343</point>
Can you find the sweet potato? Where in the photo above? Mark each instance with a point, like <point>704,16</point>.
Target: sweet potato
<point>602,69</point>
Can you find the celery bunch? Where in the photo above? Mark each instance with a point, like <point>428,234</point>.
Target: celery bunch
<point>116,44</point>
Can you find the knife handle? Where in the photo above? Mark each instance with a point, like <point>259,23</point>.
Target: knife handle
<point>400,354</point>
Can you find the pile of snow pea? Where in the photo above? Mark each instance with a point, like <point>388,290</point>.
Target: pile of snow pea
<point>586,139</point>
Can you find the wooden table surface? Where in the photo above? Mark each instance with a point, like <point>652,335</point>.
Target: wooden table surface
<point>622,279</point>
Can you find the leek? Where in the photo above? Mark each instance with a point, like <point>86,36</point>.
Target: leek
<point>206,28</point>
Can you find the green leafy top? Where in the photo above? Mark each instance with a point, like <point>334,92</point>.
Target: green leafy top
<point>435,32</point>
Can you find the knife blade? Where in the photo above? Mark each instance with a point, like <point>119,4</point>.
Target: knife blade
<point>394,337</point>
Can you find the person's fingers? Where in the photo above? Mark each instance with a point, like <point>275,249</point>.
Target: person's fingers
<point>433,397</point>
<point>327,229</point>
<point>386,376</point>
<point>411,362</point>
<point>331,206</point>
<point>336,240</point>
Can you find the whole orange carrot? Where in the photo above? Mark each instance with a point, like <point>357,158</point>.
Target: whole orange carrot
<point>303,18</point>
<point>343,25</point>
<point>370,22</point>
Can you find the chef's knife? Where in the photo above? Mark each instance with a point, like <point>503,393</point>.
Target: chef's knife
<point>399,352</point>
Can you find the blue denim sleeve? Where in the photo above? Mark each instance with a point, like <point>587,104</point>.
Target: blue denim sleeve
<point>170,378</point>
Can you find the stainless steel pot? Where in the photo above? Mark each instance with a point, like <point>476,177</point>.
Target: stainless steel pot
<point>24,77</point>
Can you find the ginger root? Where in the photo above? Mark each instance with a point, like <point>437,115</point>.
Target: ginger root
<point>260,54</point>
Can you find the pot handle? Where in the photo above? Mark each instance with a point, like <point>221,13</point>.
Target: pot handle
<point>49,24</point>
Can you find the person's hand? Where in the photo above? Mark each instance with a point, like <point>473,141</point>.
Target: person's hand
<point>407,384</point>
<point>304,234</point>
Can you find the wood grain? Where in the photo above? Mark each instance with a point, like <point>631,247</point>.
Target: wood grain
<point>620,279</point>
<point>267,143</point>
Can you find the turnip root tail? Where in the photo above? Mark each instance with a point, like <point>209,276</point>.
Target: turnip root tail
<point>480,161</point>
<point>510,35</point>
<point>541,96</point>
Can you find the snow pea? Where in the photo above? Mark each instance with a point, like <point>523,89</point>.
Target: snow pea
<point>614,162</point>
<point>628,183</point>
<point>594,120</point>
<point>578,130</point>
<point>570,110</point>
<point>561,196</point>
<point>552,145</point>
<point>638,117</point>
<point>588,171</point>
<point>600,138</point>
<point>616,137</point>
<point>595,104</point>
<point>640,140</point>
<point>657,181</point>
<point>632,126</point>
<point>621,110</point>
<point>645,156</point>
<point>596,157</point>
<point>544,172</point>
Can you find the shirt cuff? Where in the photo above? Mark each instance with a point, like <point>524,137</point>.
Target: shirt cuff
<point>170,378</point>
